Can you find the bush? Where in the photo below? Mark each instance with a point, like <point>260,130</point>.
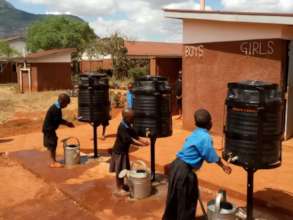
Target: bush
<point>118,100</point>
<point>119,84</point>
<point>137,71</point>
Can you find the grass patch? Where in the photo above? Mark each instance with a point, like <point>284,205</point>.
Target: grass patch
<point>11,101</point>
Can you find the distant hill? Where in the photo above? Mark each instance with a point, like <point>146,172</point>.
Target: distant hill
<point>14,21</point>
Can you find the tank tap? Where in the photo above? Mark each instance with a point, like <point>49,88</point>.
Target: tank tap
<point>230,155</point>
<point>147,132</point>
<point>232,159</point>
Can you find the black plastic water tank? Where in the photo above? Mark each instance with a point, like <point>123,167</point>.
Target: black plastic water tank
<point>93,98</point>
<point>254,124</point>
<point>152,106</point>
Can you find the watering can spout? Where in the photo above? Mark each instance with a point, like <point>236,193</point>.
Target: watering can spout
<point>221,197</point>
<point>220,208</point>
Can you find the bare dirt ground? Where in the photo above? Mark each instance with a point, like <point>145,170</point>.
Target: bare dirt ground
<point>14,104</point>
<point>29,122</point>
<point>24,113</point>
<point>25,196</point>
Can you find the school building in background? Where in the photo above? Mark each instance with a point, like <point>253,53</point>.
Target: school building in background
<point>221,47</point>
<point>8,72</point>
<point>163,59</point>
<point>45,70</point>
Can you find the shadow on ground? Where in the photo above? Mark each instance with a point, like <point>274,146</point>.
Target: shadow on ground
<point>6,140</point>
<point>111,136</point>
<point>97,196</point>
<point>276,199</point>
<point>92,188</point>
<point>101,152</point>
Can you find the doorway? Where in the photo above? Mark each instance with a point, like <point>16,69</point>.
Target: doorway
<point>289,96</point>
<point>25,80</point>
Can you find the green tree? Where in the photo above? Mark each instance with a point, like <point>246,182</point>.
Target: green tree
<point>59,32</point>
<point>114,46</point>
<point>6,51</point>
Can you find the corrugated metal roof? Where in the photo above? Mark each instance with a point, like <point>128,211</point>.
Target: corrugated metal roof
<point>49,52</point>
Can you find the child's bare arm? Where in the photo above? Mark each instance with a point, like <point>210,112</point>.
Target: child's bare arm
<point>144,141</point>
<point>139,142</point>
<point>225,168</point>
<point>67,123</point>
<point>136,142</point>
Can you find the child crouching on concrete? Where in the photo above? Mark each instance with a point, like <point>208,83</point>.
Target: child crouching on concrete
<point>120,158</point>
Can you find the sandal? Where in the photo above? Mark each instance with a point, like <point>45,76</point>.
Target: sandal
<point>56,165</point>
<point>121,193</point>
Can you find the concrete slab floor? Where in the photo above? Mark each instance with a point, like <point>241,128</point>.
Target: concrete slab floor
<point>25,196</point>
<point>90,186</point>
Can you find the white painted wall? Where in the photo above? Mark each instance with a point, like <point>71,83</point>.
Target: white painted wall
<point>85,57</point>
<point>202,31</point>
<point>199,31</point>
<point>54,58</point>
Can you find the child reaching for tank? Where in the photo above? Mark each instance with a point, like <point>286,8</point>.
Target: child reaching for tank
<point>51,123</point>
<point>126,136</point>
<point>183,184</point>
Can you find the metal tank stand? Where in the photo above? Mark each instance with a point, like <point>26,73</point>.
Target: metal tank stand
<point>249,201</point>
<point>95,139</point>
<point>153,164</point>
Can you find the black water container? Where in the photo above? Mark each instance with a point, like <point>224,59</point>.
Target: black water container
<point>152,106</point>
<point>93,98</point>
<point>254,124</point>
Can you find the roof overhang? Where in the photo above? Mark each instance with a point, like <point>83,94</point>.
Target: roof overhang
<point>152,56</point>
<point>225,16</point>
<point>49,56</point>
<point>219,26</point>
<point>153,49</point>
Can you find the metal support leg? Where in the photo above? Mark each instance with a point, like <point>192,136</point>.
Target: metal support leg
<point>153,168</point>
<point>249,206</point>
<point>95,138</point>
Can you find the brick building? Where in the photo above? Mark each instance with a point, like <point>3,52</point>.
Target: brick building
<point>222,47</point>
<point>163,59</point>
<point>8,65</point>
<point>45,70</point>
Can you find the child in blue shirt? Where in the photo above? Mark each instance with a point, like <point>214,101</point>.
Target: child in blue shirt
<point>129,97</point>
<point>183,185</point>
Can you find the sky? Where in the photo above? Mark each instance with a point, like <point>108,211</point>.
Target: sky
<point>142,19</point>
